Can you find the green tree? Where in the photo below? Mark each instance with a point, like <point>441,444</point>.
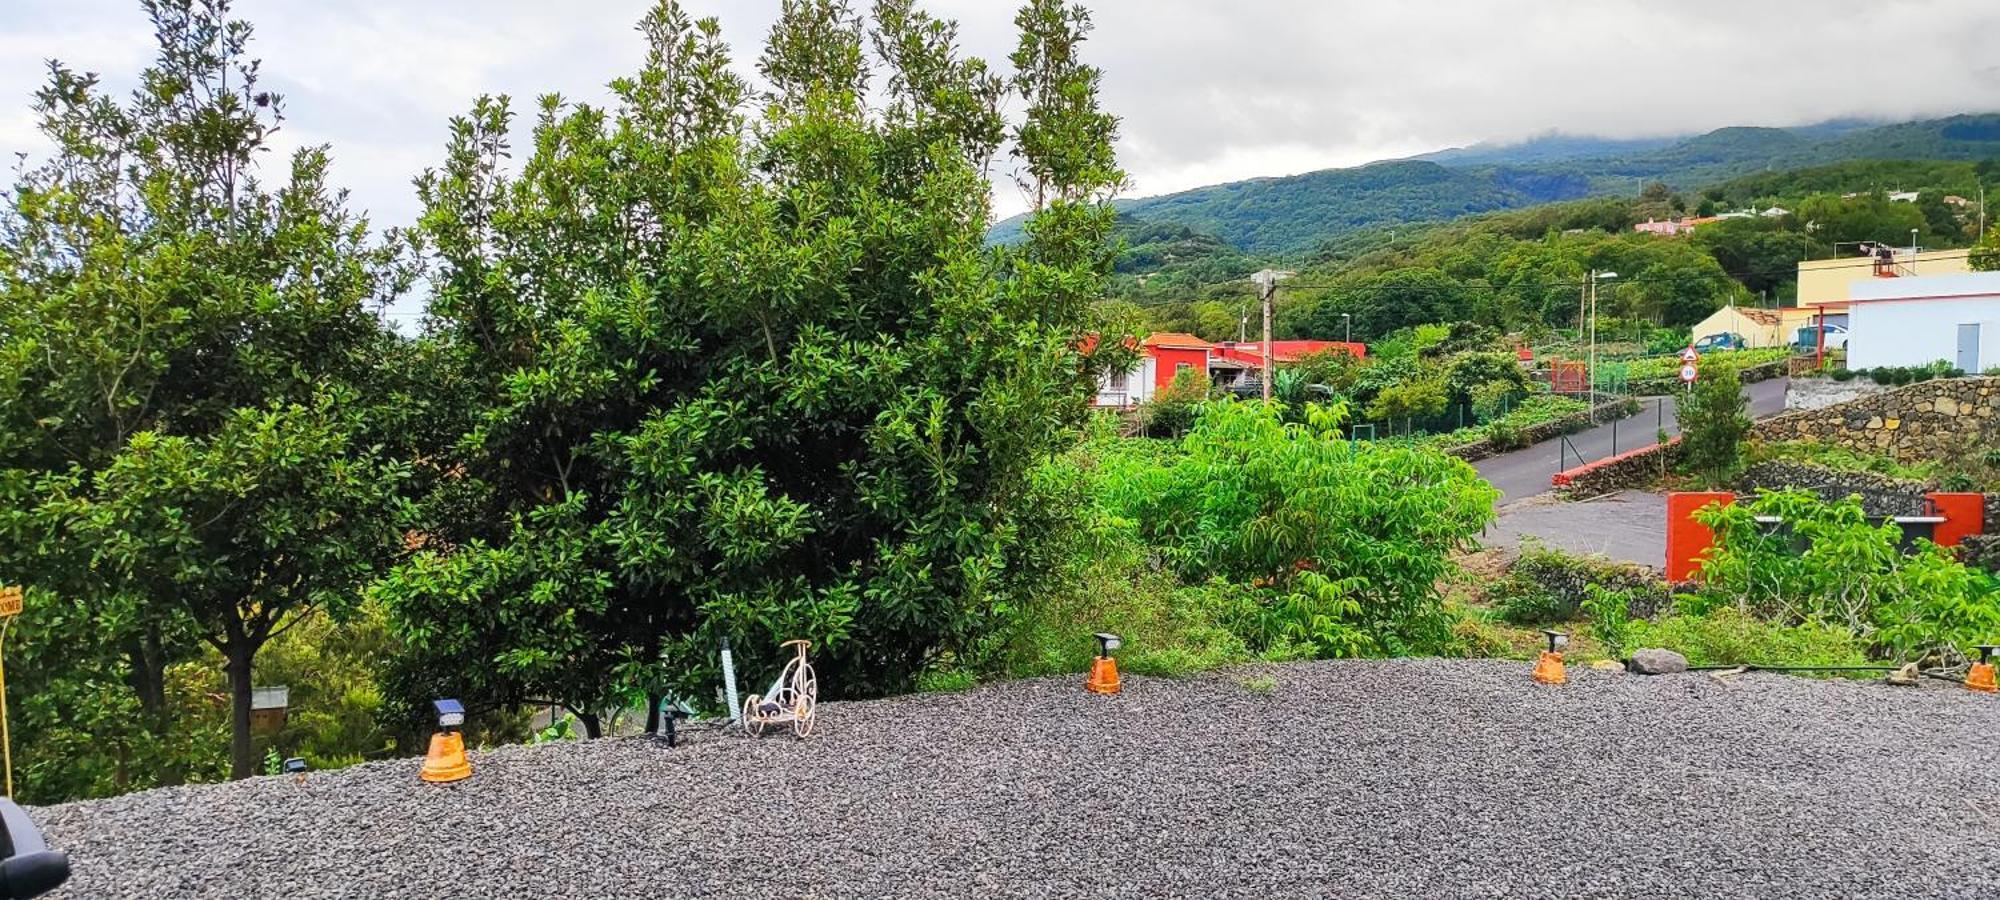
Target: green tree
<point>1714,419</point>
<point>187,452</point>
<point>759,382</point>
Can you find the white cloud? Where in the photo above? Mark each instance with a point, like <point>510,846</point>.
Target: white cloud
<point>1208,91</point>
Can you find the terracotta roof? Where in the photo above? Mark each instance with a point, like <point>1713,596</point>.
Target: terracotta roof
<point>1760,316</point>
<point>1178,340</point>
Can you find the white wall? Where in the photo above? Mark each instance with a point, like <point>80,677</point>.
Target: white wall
<point>1914,321</point>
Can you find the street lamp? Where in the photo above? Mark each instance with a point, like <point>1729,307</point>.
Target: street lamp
<point>1347,321</point>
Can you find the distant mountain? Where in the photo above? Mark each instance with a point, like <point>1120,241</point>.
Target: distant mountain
<point>1295,213</point>
<point>1551,147</point>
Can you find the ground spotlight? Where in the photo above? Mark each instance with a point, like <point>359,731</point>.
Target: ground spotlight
<point>1549,666</point>
<point>1104,669</point>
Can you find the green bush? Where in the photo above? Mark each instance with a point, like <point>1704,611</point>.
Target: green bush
<point>1829,565</point>
<point>1726,636</point>
<point>1547,586</point>
<point>1317,542</point>
<point>1173,409</point>
<point>1714,420</point>
<point>1841,374</point>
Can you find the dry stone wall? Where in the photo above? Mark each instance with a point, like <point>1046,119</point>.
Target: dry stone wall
<point>1929,420</point>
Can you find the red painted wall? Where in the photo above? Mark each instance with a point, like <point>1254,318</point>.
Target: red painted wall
<point>1172,358</point>
<point>1963,514</point>
<point>1687,539</point>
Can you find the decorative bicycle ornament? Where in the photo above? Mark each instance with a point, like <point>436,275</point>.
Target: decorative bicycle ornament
<point>793,698</point>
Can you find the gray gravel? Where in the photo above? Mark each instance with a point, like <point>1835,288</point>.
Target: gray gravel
<point>1412,778</point>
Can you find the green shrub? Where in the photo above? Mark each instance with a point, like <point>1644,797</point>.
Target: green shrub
<point>1173,409</point>
<point>1830,565</point>
<point>1547,586</point>
<point>1714,420</point>
<point>1841,374</point>
<point>1610,614</point>
<point>1726,636</point>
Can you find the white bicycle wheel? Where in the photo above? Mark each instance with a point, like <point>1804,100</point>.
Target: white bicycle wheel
<point>805,706</point>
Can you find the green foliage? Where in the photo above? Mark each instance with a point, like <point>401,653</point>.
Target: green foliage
<point>1349,541</point>
<point>1714,421</point>
<point>1172,409</point>
<point>1727,636</point>
<point>198,395</point>
<point>1545,586</point>
<point>1425,397</point>
<point>763,383</point>
<point>1830,565</point>
<point>1838,458</point>
<point>1610,613</point>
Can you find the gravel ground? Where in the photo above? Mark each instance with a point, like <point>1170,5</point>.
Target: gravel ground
<point>1426,778</point>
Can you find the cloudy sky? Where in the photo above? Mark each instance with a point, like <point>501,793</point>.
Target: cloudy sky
<point>1209,91</point>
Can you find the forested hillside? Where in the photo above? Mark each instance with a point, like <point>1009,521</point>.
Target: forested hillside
<point>1297,213</point>
<point>1524,269</point>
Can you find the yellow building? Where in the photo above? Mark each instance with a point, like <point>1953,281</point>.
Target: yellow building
<point>1830,280</point>
<point>1759,327</point>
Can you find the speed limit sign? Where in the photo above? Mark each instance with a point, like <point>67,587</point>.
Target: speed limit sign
<point>1687,373</point>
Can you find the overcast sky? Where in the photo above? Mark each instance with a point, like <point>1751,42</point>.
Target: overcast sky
<point>1209,91</point>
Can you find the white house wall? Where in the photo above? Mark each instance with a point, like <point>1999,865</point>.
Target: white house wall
<point>1921,331</point>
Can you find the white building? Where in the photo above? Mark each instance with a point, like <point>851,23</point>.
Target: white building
<point>1918,321</point>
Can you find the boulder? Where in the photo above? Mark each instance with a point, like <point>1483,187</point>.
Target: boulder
<point>1657,662</point>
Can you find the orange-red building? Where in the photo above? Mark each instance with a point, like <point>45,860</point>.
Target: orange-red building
<point>1168,353</point>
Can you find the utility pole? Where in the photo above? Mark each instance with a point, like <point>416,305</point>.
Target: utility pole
<point>1267,288</point>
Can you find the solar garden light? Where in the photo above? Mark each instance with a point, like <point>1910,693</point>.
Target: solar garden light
<point>446,761</point>
<point>1104,669</point>
<point>1549,666</point>
<point>1980,676</point>
<point>296,767</point>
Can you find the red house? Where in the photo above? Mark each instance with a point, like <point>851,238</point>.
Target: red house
<point>1239,360</point>
<point>1161,357</point>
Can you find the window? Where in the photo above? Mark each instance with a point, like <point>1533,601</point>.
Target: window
<point>1120,380</point>
<point>1178,367</point>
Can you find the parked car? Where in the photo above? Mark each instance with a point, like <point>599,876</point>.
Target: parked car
<point>1727,340</point>
<point>1807,339</point>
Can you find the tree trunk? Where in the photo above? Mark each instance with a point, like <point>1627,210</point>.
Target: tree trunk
<point>147,661</point>
<point>592,726</point>
<point>242,756</point>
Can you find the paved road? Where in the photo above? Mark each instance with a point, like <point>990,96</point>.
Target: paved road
<point>1628,526</point>
<point>1525,473</point>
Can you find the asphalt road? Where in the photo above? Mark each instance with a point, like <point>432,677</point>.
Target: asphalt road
<point>1525,473</point>
<point>1629,526</point>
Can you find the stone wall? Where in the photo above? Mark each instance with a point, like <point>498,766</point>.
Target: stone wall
<point>1535,434</point>
<point>1930,420</point>
<point>1635,468</point>
<point>1880,495</point>
<point>1820,393</point>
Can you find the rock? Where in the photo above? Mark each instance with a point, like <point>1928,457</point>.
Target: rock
<point>1658,662</point>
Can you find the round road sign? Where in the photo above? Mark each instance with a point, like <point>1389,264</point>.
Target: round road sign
<point>1687,373</point>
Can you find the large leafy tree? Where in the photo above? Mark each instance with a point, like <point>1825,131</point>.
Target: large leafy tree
<point>736,364</point>
<point>185,446</point>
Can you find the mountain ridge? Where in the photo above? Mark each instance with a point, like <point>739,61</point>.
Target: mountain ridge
<point>1287,214</point>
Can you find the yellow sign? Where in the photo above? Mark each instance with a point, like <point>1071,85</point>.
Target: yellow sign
<point>10,601</point>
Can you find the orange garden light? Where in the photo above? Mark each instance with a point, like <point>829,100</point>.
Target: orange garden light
<point>446,762</point>
<point>1104,670</point>
<point>1549,666</point>
<point>1980,676</point>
